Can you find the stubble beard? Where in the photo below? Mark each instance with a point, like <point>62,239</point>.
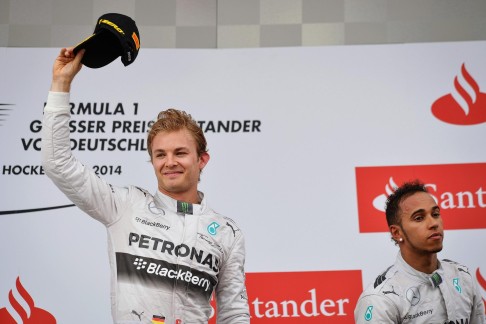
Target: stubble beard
<point>432,250</point>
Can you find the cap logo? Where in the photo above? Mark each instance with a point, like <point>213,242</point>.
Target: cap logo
<point>109,23</point>
<point>136,40</point>
<point>86,39</point>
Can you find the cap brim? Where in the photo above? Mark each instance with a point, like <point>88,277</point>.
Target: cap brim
<point>101,49</point>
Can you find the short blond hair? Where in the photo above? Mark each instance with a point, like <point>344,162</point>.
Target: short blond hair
<point>171,120</point>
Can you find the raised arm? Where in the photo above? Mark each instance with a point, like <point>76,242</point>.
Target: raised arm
<point>65,68</point>
<point>77,181</point>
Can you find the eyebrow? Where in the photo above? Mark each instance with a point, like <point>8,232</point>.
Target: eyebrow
<point>421,210</point>
<point>177,149</point>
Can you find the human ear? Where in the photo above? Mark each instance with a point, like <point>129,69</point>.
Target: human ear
<point>203,160</point>
<point>396,233</point>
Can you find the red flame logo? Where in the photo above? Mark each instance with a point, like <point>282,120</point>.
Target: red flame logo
<point>481,282</point>
<point>32,315</point>
<point>466,105</point>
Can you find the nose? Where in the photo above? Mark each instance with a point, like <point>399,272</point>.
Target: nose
<point>434,222</point>
<point>170,160</point>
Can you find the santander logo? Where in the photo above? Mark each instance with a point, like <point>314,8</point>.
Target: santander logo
<point>28,315</point>
<point>380,200</point>
<point>459,189</point>
<point>311,297</point>
<point>466,105</point>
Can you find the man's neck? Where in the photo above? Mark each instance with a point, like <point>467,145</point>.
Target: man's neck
<point>426,263</point>
<point>189,197</point>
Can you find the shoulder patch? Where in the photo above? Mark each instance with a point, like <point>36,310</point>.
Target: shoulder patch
<point>449,261</point>
<point>232,225</point>
<point>459,267</point>
<point>145,192</point>
<point>381,278</point>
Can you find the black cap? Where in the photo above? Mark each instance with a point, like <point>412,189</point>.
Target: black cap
<point>114,35</point>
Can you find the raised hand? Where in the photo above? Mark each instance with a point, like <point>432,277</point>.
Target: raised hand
<point>65,68</point>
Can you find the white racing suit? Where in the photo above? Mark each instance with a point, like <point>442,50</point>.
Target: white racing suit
<point>404,295</point>
<point>166,256</point>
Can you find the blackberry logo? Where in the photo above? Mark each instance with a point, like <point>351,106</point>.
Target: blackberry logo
<point>140,263</point>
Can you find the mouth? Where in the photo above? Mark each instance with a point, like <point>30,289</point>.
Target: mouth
<point>436,236</point>
<point>172,174</point>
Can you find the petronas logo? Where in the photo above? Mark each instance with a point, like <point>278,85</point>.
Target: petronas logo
<point>456,284</point>
<point>184,207</point>
<point>212,228</point>
<point>369,315</point>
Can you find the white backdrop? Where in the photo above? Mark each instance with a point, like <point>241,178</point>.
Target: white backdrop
<point>290,184</point>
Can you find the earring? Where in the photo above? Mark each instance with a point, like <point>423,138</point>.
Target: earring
<point>400,240</point>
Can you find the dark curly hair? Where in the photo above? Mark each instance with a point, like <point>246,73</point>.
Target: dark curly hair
<point>392,206</point>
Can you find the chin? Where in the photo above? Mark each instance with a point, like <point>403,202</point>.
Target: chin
<point>174,190</point>
<point>436,250</point>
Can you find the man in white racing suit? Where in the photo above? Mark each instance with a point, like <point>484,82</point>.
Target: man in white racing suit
<point>418,288</point>
<point>168,251</point>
